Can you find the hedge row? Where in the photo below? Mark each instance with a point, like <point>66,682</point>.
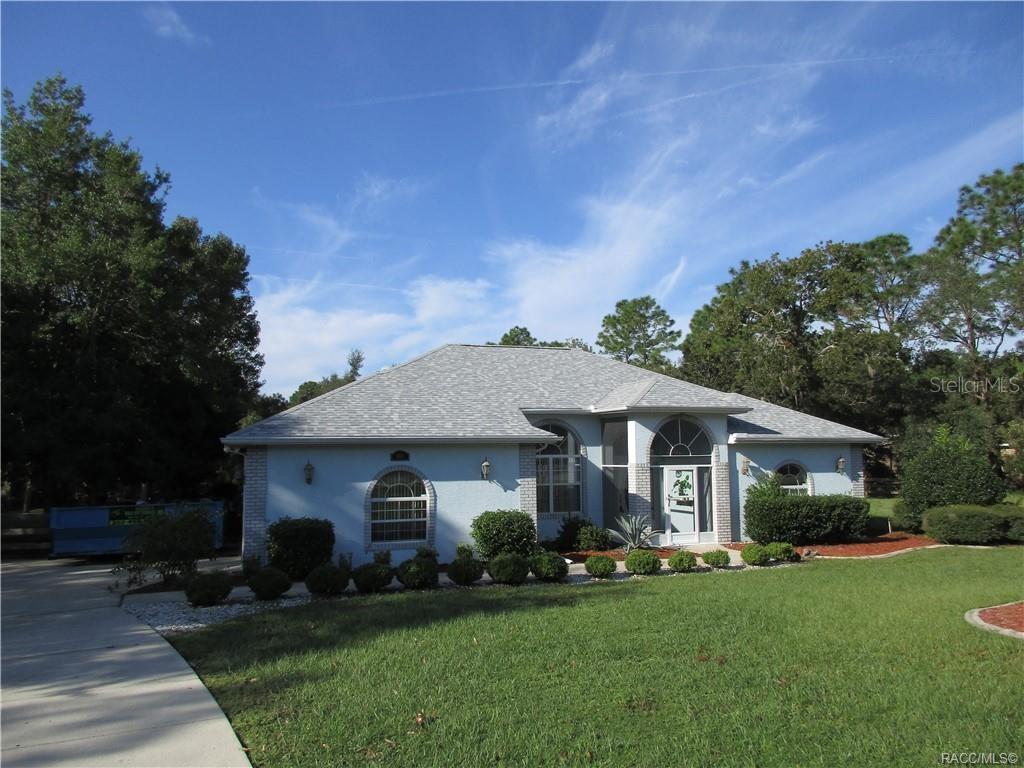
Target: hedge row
<point>804,519</point>
<point>975,524</point>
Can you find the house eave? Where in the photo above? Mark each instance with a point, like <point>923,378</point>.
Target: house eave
<point>242,441</point>
<point>750,438</point>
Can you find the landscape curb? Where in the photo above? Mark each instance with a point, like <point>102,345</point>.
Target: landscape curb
<point>973,616</point>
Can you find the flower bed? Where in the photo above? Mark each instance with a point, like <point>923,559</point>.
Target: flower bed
<point>1006,616</point>
<point>876,545</point>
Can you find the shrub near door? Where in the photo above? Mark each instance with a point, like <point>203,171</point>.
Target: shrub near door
<point>805,519</point>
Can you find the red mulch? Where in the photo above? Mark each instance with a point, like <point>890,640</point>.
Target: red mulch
<point>615,554</point>
<point>1006,616</point>
<point>876,545</point>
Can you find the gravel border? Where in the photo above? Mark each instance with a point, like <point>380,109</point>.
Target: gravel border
<point>169,617</point>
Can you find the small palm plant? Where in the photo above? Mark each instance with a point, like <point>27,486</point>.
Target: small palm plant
<point>635,531</point>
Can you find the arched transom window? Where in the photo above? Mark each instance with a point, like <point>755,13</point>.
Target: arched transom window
<point>559,478</point>
<point>793,479</point>
<point>681,438</point>
<point>398,508</point>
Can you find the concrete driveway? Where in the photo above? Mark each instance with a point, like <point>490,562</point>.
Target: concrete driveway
<point>86,684</point>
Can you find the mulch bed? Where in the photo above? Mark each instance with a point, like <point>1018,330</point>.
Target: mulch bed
<point>885,544</point>
<point>615,554</point>
<point>1006,616</point>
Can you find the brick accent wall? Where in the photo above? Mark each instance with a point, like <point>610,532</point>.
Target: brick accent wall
<point>721,496</point>
<point>254,504</point>
<point>639,489</point>
<point>855,469</point>
<point>528,480</point>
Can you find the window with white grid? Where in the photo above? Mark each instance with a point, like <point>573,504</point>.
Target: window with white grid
<point>559,474</point>
<point>398,508</point>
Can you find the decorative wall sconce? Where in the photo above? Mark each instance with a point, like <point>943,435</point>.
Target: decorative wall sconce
<point>745,466</point>
<point>485,469</point>
<point>307,473</point>
<point>841,465</point>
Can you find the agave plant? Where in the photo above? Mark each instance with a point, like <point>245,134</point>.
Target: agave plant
<point>634,532</point>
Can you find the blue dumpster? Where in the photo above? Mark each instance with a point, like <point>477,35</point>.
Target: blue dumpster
<point>103,530</point>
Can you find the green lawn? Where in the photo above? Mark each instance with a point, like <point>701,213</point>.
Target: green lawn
<point>880,507</point>
<point>827,663</point>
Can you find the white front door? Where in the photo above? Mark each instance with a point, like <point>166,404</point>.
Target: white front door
<point>681,504</point>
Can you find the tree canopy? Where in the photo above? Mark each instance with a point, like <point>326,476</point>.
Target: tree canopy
<point>640,332</point>
<point>309,389</point>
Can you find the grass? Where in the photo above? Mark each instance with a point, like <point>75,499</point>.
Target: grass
<point>827,663</point>
<point>881,507</point>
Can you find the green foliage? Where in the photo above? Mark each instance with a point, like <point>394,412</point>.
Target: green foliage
<point>643,562</point>
<point>549,566</point>
<point>372,577</point>
<point>975,524</point>
<point>600,566</point>
<point>307,390</point>
<point>250,565</point>
<point>135,343</point>
<point>508,568</point>
<point>805,519</point>
<point>328,579</point>
<point>382,557</point>
<point>949,471</point>
<point>781,551</point>
<point>170,544</point>
<point>297,545</point>
<point>420,572</point>
<point>568,532</point>
<point>269,583</point>
<point>463,551</point>
<point>208,588</point>
<point>634,532</point>
<point>518,336</point>
<point>716,558</point>
<point>504,530</point>
<point>593,538</point>
<point>465,569</point>
<point>682,561</point>
<point>755,554</point>
<point>640,332</point>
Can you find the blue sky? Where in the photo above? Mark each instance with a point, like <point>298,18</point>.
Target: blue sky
<point>408,175</point>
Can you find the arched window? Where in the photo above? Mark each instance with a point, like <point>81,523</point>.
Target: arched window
<point>559,478</point>
<point>793,478</point>
<point>681,438</point>
<point>398,508</point>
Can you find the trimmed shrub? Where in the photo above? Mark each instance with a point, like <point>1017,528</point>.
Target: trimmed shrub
<point>568,532</point>
<point>465,570</point>
<point>418,572</point>
<point>682,561</point>
<point>382,557</point>
<point>755,554</point>
<point>643,562</point>
<point>328,579</point>
<point>595,539</point>
<point>269,584</point>
<point>499,531</point>
<point>297,545</point>
<point>509,568</point>
<point>372,577</point>
<point>209,588</point>
<point>949,471</point>
<point>250,566</point>
<point>805,519</point>
<point>716,558</point>
<point>171,544</point>
<point>780,550</point>
<point>463,551</point>
<point>974,524</point>
<point>900,520</point>
<point>549,566</point>
<point>600,566</point>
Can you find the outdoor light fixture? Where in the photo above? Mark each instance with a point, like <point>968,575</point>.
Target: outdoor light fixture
<point>307,472</point>
<point>485,468</point>
<point>841,465</point>
<point>745,466</point>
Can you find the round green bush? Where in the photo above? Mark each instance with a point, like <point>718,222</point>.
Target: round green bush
<point>465,570</point>
<point>969,523</point>
<point>508,568</point>
<point>418,573</point>
<point>782,551</point>
<point>1015,528</point>
<point>269,584</point>
<point>643,562</point>
<point>504,530</point>
<point>549,566</point>
<point>297,545</point>
<point>804,519</point>
<point>594,539</point>
<point>600,566</point>
<point>716,558</point>
<point>755,554</point>
<point>372,577</point>
<point>328,579</point>
<point>682,561</point>
<point>568,532</point>
<point>208,588</point>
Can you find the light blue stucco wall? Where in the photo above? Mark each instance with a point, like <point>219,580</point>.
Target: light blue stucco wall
<point>342,476</point>
<point>819,459</point>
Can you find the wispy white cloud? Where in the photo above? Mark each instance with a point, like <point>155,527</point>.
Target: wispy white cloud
<point>166,22</point>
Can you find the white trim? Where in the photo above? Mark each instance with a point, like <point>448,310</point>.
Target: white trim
<point>742,437</point>
<point>376,440</point>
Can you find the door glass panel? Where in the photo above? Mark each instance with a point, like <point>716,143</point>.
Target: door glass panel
<point>681,499</point>
<point>707,518</point>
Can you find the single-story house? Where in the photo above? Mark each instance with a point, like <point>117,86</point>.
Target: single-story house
<point>410,455</point>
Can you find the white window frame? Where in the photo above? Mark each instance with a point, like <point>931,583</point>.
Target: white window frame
<point>799,489</point>
<point>574,468</point>
<point>425,519</point>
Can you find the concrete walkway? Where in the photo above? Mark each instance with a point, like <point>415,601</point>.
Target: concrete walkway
<point>86,684</point>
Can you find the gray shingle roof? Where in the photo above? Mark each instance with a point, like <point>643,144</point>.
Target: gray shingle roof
<point>766,422</point>
<point>480,393</point>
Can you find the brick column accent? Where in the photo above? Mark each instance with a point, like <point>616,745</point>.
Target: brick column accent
<point>856,470</point>
<point>528,480</point>
<point>254,504</point>
<point>721,498</point>
<point>640,490</point>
